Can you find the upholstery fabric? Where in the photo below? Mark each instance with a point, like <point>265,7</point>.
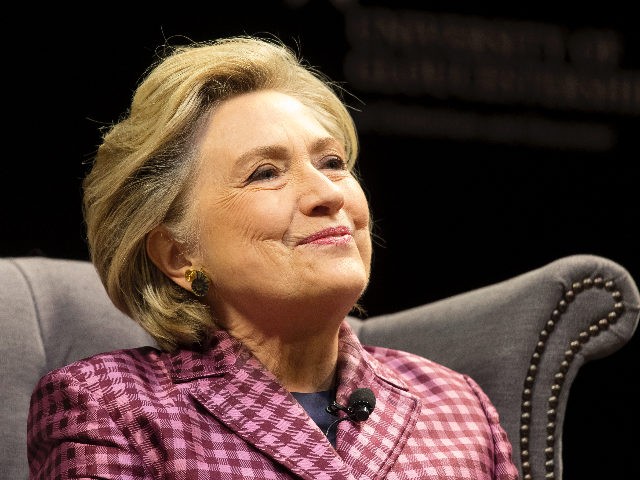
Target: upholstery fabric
<point>522,340</point>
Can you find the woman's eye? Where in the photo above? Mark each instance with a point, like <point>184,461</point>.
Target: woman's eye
<point>265,172</point>
<point>334,163</point>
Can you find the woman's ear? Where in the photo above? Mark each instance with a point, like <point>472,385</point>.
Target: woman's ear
<point>168,255</point>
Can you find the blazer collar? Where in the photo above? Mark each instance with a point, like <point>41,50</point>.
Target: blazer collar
<point>236,388</point>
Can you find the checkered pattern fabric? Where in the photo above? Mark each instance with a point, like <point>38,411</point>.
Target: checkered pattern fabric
<point>219,414</point>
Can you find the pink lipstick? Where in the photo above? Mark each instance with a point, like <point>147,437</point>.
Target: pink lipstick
<point>328,236</point>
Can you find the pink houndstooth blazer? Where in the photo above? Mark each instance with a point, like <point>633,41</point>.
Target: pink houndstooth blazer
<point>219,414</point>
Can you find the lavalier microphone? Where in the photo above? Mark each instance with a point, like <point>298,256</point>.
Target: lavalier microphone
<point>361,403</point>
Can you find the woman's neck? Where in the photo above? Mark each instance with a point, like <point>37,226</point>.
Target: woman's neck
<point>303,361</point>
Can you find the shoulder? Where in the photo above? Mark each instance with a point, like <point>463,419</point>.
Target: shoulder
<point>410,365</point>
<point>421,374</point>
<point>107,368</point>
<point>85,408</point>
<point>130,359</point>
<point>425,377</point>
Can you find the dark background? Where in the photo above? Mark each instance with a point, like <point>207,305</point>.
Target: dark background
<point>520,149</point>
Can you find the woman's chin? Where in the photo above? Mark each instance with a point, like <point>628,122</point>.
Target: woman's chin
<point>343,288</point>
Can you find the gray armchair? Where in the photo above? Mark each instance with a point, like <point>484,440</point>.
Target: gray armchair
<point>523,340</point>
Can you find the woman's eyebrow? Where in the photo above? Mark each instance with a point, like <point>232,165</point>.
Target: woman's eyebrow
<point>263,151</point>
<point>279,152</point>
<point>324,142</point>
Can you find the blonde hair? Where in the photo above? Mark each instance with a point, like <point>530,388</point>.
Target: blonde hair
<point>140,175</point>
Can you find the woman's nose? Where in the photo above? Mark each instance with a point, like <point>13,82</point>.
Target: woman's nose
<point>319,195</point>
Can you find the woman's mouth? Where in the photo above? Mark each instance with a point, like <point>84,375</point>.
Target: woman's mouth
<point>328,236</point>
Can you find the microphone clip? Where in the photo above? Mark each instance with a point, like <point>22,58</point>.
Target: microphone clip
<point>361,404</point>
<point>362,401</point>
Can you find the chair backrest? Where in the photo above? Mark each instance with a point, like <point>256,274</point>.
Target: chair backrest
<point>52,312</point>
<point>523,340</point>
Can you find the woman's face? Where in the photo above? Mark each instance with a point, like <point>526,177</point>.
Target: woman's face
<point>282,222</point>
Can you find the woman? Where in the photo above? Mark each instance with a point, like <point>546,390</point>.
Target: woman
<point>224,216</point>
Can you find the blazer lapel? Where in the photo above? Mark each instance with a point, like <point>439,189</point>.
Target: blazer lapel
<point>243,395</point>
<point>250,401</point>
<point>371,447</point>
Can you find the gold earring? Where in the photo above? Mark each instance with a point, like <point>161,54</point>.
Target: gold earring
<point>199,281</point>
